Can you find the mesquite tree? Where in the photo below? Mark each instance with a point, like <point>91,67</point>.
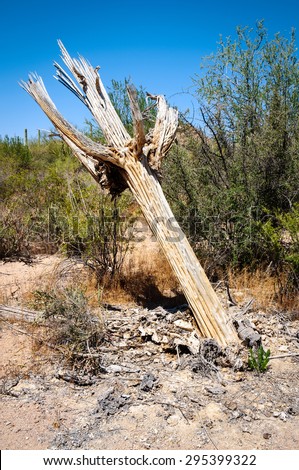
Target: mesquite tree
<point>134,162</point>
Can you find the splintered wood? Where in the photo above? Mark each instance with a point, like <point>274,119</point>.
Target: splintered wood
<point>134,162</point>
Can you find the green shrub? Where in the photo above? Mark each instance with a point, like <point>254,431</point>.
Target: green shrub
<point>51,203</point>
<point>258,359</point>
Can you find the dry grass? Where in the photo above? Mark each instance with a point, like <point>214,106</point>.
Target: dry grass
<point>72,328</point>
<point>148,279</point>
<point>263,287</point>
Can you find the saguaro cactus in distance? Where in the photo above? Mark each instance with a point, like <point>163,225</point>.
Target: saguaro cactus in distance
<point>133,162</point>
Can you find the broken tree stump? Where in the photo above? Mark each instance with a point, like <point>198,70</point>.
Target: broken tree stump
<point>134,162</point>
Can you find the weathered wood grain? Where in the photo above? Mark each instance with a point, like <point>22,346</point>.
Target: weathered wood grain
<point>134,162</point>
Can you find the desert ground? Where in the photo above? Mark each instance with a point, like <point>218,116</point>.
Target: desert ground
<point>152,389</point>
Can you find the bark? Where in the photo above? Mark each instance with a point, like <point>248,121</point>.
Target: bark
<point>211,318</point>
<point>135,162</point>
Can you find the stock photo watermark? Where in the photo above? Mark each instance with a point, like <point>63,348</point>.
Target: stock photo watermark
<point>91,227</point>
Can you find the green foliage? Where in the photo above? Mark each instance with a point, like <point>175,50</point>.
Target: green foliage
<point>258,359</point>
<point>27,191</point>
<point>249,104</point>
<point>14,149</point>
<point>279,241</point>
<point>120,100</point>
<point>233,179</point>
<point>53,204</point>
<point>65,304</point>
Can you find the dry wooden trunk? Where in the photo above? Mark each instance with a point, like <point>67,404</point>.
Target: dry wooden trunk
<point>134,162</point>
<point>209,314</point>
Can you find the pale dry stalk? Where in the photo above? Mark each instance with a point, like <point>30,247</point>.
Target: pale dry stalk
<point>134,162</point>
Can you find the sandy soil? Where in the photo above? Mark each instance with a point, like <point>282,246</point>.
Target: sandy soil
<point>18,278</point>
<point>147,395</point>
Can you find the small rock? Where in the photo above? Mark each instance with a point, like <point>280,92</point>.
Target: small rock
<point>231,405</point>
<point>148,382</point>
<point>155,338</point>
<point>283,416</point>
<point>246,429</point>
<point>149,332</point>
<point>114,368</point>
<point>184,325</point>
<point>276,414</point>
<point>293,410</point>
<point>238,365</point>
<point>173,420</point>
<point>236,414</point>
<point>267,435</point>
<point>247,333</point>
<point>247,418</point>
<point>283,348</point>
<point>215,390</point>
<point>193,343</point>
<point>165,340</point>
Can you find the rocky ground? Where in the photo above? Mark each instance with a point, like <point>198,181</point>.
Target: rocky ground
<point>157,387</point>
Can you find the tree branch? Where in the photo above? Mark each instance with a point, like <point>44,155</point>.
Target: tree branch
<point>94,97</point>
<point>139,135</point>
<point>163,133</point>
<point>36,88</point>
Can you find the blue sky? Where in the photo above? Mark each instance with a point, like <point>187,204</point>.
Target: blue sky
<point>159,44</point>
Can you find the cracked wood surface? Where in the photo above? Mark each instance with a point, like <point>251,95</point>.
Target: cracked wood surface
<point>134,162</point>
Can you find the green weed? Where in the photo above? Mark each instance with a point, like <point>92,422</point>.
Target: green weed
<point>258,359</point>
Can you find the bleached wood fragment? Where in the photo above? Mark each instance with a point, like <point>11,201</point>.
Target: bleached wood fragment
<point>134,162</point>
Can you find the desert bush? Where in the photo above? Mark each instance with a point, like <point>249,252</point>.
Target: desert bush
<point>71,327</point>
<point>101,238</point>
<point>231,179</point>
<point>29,184</point>
<point>280,242</point>
<point>49,203</point>
<point>230,175</point>
<point>14,239</point>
